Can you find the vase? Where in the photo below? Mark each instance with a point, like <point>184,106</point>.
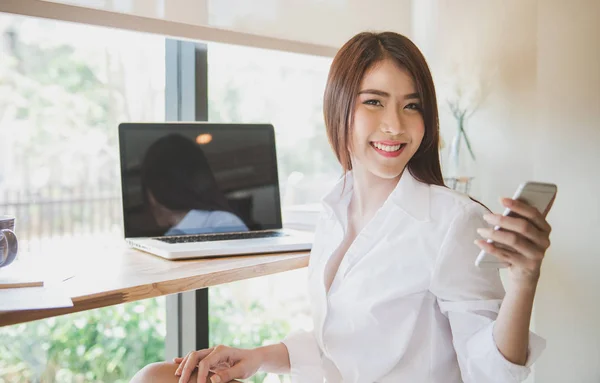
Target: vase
<point>461,160</point>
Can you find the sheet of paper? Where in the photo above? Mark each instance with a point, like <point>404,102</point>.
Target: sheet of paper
<point>42,271</point>
<point>31,298</point>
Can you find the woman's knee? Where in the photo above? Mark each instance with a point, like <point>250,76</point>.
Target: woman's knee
<point>158,372</point>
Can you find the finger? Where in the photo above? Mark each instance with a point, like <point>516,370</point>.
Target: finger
<point>181,365</point>
<point>505,255</point>
<point>219,358</point>
<point>205,365</point>
<point>191,363</point>
<point>529,212</point>
<point>513,259</point>
<point>186,369</point>
<point>521,226</point>
<point>182,362</point>
<point>514,241</point>
<point>238,371</point>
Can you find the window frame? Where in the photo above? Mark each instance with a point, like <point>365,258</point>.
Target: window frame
<point>186,99</point>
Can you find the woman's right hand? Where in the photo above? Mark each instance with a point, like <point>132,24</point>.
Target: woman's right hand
<point>227,363</point>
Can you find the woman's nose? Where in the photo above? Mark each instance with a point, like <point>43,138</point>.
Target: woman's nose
<point>392,123</point>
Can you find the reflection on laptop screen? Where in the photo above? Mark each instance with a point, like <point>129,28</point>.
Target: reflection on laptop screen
<point>198,178</point>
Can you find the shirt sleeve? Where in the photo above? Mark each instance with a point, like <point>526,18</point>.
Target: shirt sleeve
<point>305,357</point>
<point>471,297</point>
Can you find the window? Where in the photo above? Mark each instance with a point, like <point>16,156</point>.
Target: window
<point>284,89</point>
<point>63,90</point>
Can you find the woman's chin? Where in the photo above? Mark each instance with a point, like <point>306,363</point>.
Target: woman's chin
<point>387,173</point>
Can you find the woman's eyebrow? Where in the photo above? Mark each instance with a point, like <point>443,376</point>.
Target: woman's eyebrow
<point>381,93</point>
<point>375,92</point>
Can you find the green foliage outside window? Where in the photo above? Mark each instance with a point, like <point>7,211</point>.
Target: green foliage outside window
<point>103,345</point>
<point>111,344</point>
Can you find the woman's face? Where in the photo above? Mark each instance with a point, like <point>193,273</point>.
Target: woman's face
<point>388,125</point>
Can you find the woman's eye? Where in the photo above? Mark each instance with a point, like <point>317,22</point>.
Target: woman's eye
<point>413,106</point>
<point>373,102</point>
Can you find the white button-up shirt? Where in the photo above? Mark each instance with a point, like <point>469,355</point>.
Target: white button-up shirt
<point>407,303</point>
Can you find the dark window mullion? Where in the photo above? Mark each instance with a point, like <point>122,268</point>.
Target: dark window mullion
<point>186,99</point>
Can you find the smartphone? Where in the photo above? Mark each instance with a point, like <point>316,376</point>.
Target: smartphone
<point>537,194</point>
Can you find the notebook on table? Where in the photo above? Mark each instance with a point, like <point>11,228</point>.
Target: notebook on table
<point>203,190</point>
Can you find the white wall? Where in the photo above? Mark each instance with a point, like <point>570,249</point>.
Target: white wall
<point>568,153</point>
<point>541,122</point>
<point>469,39</point>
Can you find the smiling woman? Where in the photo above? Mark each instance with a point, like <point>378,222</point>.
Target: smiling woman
<point>387,122</point>
<point>411,91</point>
<point>394,290</point>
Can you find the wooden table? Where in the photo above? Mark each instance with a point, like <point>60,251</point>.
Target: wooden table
<point>106,278</point>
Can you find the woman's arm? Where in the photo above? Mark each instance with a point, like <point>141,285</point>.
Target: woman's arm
<point>275,359</point>
<point>528,237</point>
<point>472,299</point>
<point>511,331</point>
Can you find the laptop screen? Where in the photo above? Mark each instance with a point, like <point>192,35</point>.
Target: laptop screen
<point>196,178</point>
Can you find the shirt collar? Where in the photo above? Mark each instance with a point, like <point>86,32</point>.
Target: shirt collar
<point>337,200</point>
<point>410,195</point>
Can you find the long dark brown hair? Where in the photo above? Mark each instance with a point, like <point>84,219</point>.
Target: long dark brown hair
<point>345,75</point>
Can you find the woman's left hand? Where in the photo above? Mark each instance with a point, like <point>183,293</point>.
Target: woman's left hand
<point>525,240</point>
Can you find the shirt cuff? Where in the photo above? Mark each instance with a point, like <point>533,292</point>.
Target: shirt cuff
<point>484,345</point>
<point>305,357</point>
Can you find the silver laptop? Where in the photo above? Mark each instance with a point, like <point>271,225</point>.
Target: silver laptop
<point>202,190</point>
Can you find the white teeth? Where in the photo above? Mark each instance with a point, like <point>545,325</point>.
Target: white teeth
<point>386,148</point>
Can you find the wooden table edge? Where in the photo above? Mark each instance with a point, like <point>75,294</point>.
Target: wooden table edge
<point>156,289</point>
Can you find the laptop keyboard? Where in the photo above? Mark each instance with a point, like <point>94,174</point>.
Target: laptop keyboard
<point>221,236</point>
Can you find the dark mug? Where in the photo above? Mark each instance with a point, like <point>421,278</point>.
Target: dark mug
<point>8,240</point>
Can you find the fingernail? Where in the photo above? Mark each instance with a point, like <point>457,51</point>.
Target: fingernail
<point>482,232</point>
<point>488,217</point>
<point>215,379</point>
